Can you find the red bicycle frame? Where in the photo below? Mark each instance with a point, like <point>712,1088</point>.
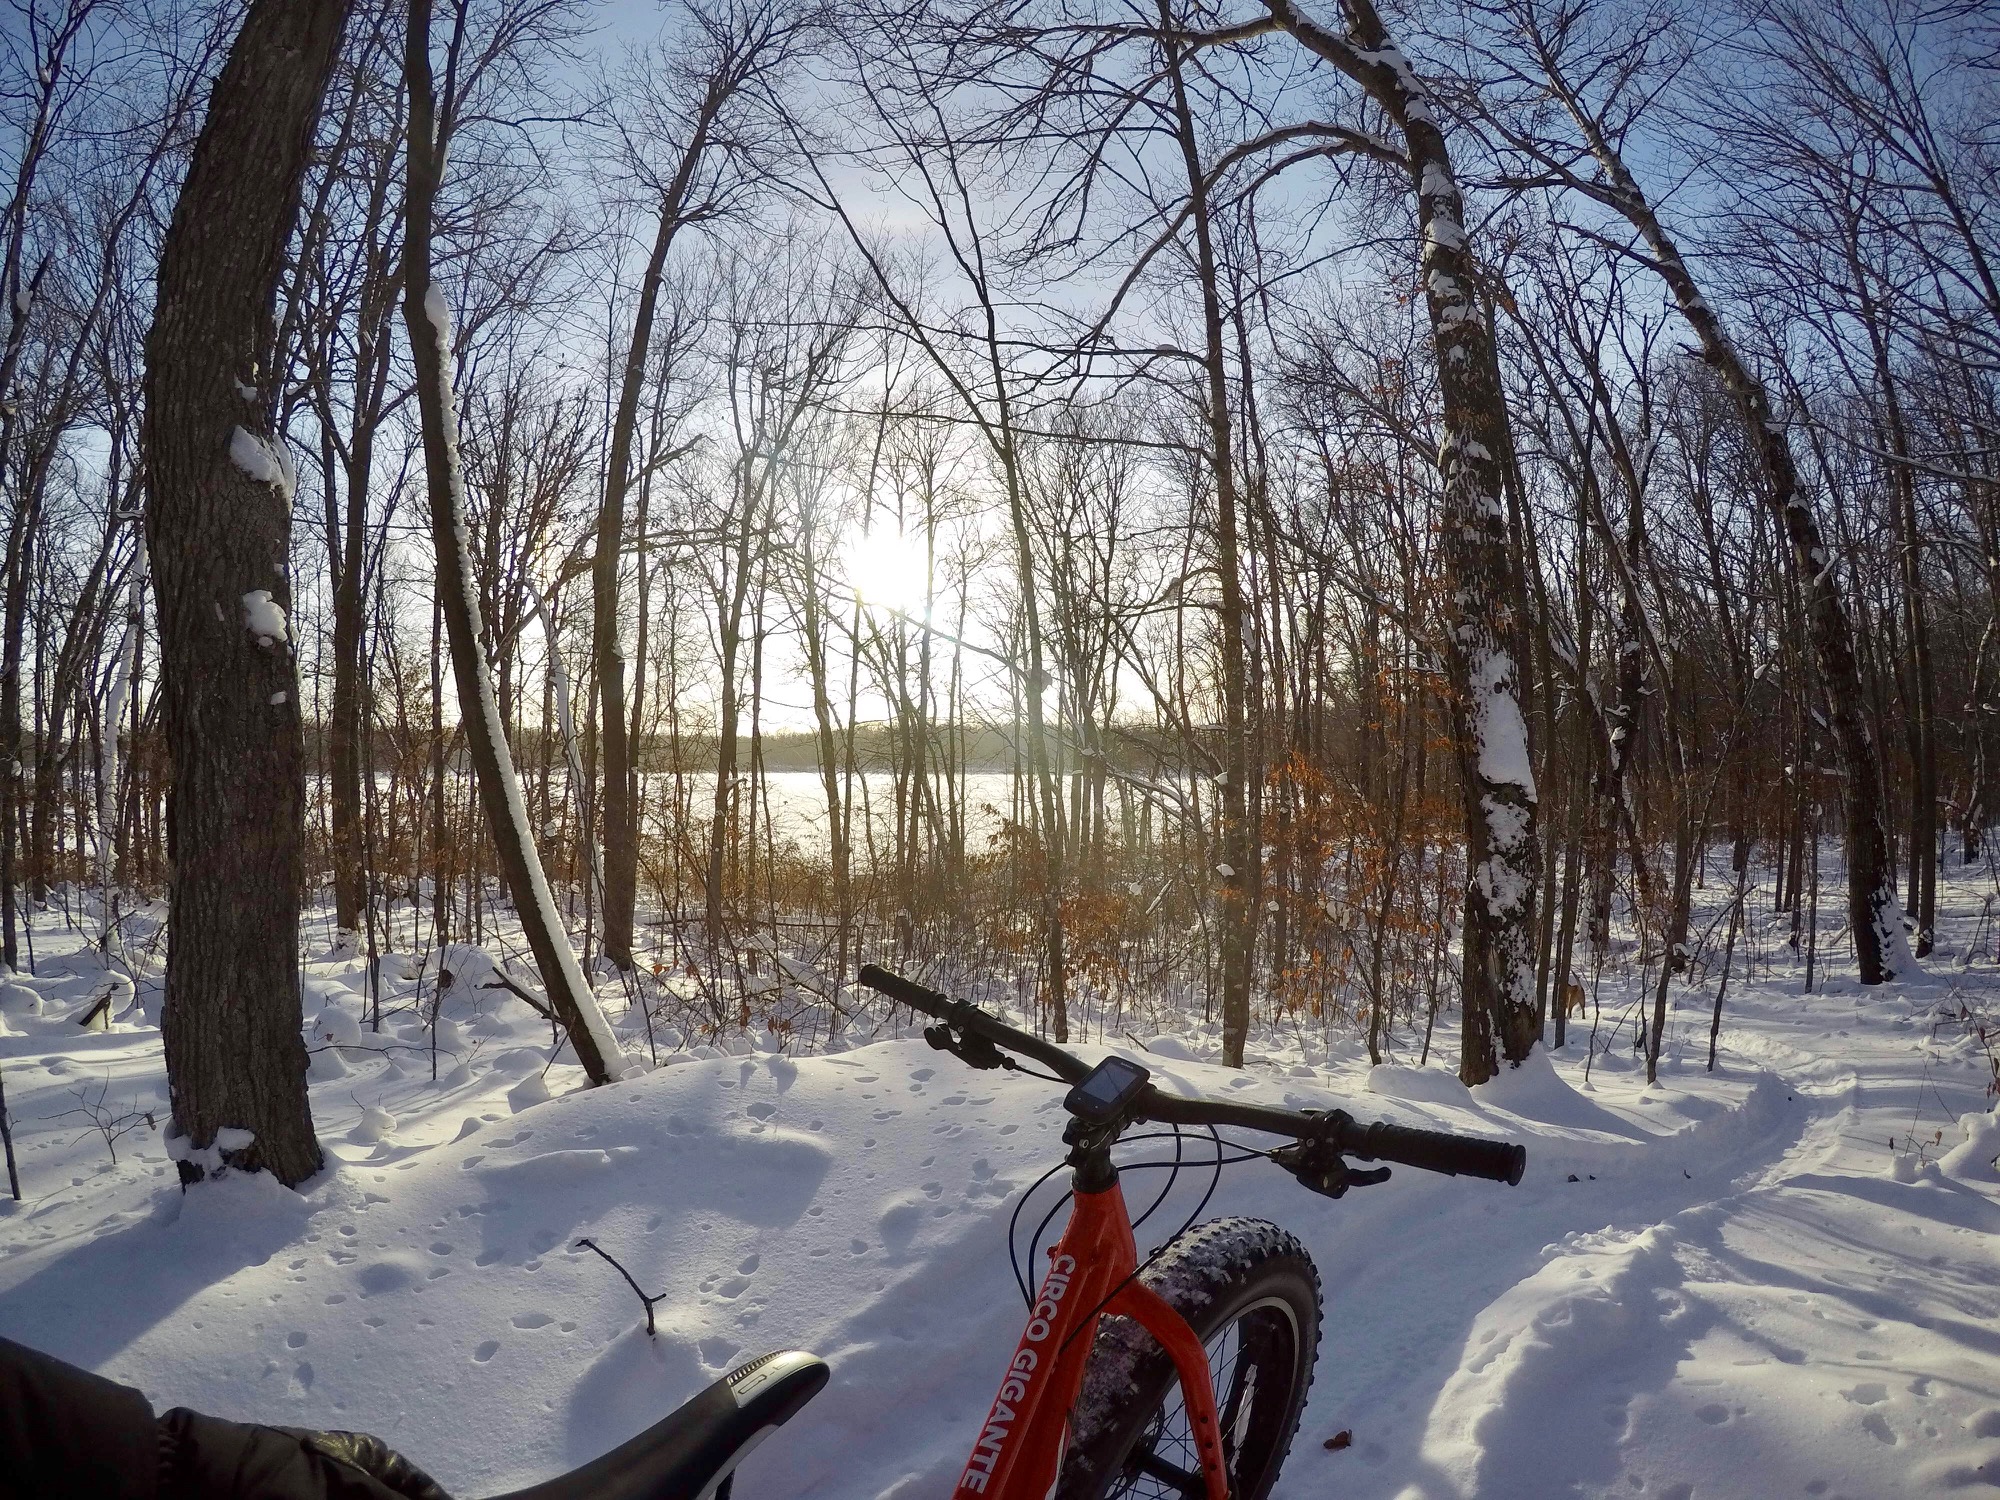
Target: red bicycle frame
<point>1020,1451</point>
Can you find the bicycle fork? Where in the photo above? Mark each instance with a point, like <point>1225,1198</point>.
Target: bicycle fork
<point>1092,1271</point>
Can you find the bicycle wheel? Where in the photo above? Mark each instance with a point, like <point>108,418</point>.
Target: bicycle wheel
<point>1251,1294</point>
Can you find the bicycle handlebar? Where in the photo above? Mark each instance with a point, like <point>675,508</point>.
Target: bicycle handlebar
<point>1430,1150</point>
<point>969,1017</point>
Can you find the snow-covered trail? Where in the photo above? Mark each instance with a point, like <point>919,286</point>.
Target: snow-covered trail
<point>1745,1291</point>
<point>1822,1322</point>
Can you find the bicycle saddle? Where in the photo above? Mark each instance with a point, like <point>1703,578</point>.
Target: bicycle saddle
<point>693,1453</point>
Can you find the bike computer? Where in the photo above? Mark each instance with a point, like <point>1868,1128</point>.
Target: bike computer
<point>1106,1090</point>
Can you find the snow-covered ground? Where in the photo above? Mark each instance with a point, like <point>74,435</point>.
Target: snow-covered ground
<point>1780,1278</point>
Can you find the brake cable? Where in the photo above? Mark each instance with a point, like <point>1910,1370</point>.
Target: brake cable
<point>1172,1178</point>
<point>1244,1153</point>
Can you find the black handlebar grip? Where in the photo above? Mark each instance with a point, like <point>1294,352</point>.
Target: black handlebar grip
<point>1436,1151</point>
<point>906,991</point>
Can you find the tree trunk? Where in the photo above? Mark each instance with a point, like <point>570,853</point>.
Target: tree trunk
<point>1237,853</point>
<point>347,550</point>
<point>1503,855</point>
<point>1921,898</point>
<point>429,324</point>
<point>621,827</point>
<point>219,528</point>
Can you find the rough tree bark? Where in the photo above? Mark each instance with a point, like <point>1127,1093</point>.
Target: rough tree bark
<point>218,525</point>
<point>429,324</point>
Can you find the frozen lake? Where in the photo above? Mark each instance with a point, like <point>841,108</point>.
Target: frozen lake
<point>795,802</point>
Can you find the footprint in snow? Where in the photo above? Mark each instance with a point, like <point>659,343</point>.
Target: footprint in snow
<point>716,1352</point>
<point>532,1320</point>
<point>485,1351</point>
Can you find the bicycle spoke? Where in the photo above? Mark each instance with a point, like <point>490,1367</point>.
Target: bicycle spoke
<point>1153,1466</point>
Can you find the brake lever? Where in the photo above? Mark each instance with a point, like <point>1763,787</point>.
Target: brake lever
<point>1321,1169</point>
<point>974,1051</point>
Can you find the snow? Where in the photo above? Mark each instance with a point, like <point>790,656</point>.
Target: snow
<point>264,617</point>
<point>438,314</point>
<point>228,1138</point>
<point>265,460</point>
<point>1502,732</point>
<point>1777,1279</point>
<point>1445,233</point>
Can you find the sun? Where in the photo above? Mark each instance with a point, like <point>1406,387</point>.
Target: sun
<point>887,569</point>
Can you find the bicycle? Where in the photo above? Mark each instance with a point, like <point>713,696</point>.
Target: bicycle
<point>1181,1376</point>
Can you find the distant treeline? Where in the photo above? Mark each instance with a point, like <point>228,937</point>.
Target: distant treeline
<point>1137,749</point>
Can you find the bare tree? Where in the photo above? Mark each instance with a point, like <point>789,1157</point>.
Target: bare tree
<point>1575,142</point>
<point>1491,736</point>
<point>700,106</point>
<point>428,320</point>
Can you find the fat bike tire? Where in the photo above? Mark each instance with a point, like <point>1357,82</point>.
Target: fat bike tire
<point>1252,1295</point>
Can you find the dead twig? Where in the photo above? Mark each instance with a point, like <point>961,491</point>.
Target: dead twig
<point>590,1244</point>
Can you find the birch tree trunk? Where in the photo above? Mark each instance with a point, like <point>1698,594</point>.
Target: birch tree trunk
<point>218,526</point>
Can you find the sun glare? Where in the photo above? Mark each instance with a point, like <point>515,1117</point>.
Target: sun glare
<point>886,569</point>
